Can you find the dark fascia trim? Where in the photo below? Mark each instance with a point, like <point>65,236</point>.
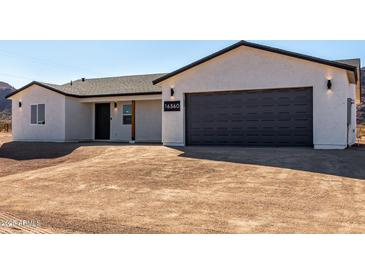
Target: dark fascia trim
<point>120,94</point>
<point>79,96</point>
<point>261,47</point>
<point>41,85</point>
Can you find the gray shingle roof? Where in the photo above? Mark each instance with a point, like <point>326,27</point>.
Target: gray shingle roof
<point>133,84</point>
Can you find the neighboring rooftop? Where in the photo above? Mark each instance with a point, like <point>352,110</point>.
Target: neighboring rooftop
<point>109,86</point>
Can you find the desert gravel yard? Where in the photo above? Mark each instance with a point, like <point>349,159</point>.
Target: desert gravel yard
<point>120,188</point>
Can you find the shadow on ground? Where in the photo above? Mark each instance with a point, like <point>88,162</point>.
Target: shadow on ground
<point>43,150</point>
<point>346,163</point>
<point>31,151</point>
<point>34,150</point>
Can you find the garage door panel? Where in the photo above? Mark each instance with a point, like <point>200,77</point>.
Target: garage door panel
<point>277,117</point>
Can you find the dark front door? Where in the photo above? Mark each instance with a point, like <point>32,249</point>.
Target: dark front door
<point>102,121</point>
<point>278,117</point>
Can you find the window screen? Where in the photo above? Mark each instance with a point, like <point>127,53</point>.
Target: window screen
<point>33,114</point>
<point>127,115</point>
<point>41,114</point>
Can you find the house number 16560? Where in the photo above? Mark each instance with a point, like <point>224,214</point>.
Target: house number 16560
<point>172,106</point>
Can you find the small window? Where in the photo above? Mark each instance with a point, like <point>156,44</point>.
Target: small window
<point>33,114</point>
<point>127,115</point>
<point>41,114</point>
<point>38,114</point>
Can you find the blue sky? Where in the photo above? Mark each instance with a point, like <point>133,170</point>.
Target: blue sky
<point>61,61</point>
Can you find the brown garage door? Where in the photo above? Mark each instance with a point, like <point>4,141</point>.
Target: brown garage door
<point>275,117</point>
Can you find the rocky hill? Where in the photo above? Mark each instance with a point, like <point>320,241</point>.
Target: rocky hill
<point>5,104</point>
<point>361,107</point>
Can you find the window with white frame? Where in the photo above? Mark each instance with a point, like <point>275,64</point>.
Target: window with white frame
<point>38,114</point>
<point>127,115</point>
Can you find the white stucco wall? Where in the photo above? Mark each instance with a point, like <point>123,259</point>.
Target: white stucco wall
<point>79,122</point>
<point>118,131</point>
<point>72,119</point>
<point>246,68</point>
<point>54,127</point>
<point>148,121</point>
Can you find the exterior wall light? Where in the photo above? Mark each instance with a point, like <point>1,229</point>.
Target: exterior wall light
<point>115,105</point>
<point>20,104</point>
<point>329,84</point>
<point>172,92</point>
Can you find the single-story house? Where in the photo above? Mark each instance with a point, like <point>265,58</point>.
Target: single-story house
<point>246,94</point>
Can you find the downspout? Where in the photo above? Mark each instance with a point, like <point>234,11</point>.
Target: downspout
<point>360,84</point>
<point>133,128</point>
<point>347,137</point>
<point>350,102</point>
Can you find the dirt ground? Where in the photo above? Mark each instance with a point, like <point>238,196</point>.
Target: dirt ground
<point>119,188</point>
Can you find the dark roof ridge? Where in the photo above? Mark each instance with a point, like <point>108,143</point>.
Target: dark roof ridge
<point>109,77</point>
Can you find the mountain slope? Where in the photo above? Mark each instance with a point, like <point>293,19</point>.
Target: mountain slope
<point>5,104</point>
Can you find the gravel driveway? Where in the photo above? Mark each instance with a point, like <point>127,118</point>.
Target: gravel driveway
<point>117,188</point>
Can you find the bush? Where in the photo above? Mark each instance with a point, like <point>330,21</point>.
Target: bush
<point>5,126</point>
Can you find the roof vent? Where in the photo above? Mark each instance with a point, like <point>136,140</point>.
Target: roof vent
<point>71,83</point>
<point>83,79</point>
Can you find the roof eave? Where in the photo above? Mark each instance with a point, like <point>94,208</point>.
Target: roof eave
<point>120,94</point>
<point>261,47</point>
<point>76,95</point>
<point>41,85</point>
